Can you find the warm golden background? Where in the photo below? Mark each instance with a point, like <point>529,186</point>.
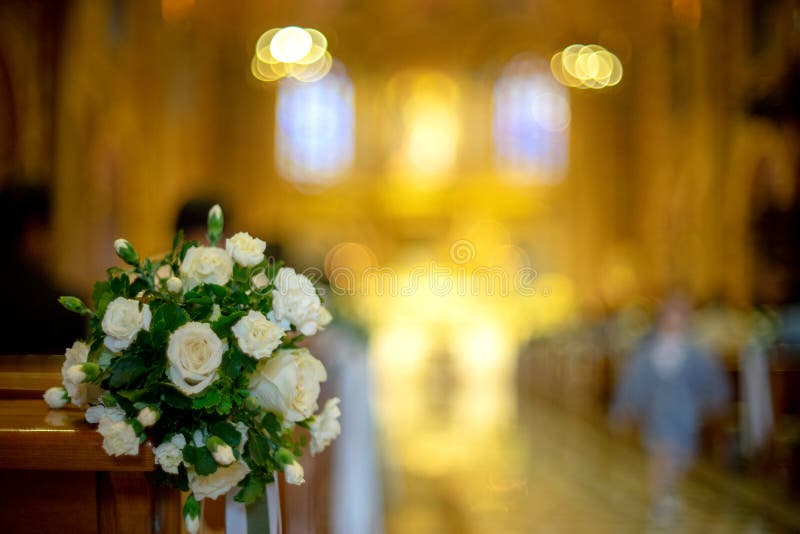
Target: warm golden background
<point>684,174</point>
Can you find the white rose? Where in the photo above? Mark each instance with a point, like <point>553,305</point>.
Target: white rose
<point>118,437</point>
<point>246,250</point>
<point>147,416</point>
<point>169,454</point>
<point>174,284</point>
<point>206,265</point>
<point>294,473</point>
<point>259,281</point>
<point>216,313</point>
<point>217,483</point>
<point>288,383</point>
<point>56,397</point>
<point>75,374</point>
<point>325,427</point>
<point>256,335</point>
<point>95,414</point>
<point>295,301</point>
<point>194,353</point>
<point>79,393</point>
<point>164,272</point>
<point>122,322</point>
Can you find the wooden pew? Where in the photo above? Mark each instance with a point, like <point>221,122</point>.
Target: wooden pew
<point>57,478</point>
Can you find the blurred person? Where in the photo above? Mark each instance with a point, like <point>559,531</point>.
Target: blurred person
<point>668,387</point>
<point>33,320</point>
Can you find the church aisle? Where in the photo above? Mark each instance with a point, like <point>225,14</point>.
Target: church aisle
<point>555,472</point>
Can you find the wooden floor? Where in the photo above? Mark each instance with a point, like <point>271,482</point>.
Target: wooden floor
<point>552,472</point>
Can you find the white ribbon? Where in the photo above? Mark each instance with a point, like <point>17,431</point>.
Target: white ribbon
<point>236,512</point>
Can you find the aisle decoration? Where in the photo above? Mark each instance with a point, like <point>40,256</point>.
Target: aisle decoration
<point>198,351</point>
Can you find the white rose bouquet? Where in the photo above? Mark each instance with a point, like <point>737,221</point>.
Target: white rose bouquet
<point>204,362</point>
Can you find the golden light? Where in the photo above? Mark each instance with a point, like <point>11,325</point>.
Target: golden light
<point>262,46</point>
<point>428,104</point>
<point>586,67</point>
<point>290,44</point>
<point>319,44</point>
<point>299,53</point>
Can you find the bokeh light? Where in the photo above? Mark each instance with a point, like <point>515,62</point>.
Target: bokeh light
<point>299,53</point>
<point>586,67</point>
<point>290,44</point>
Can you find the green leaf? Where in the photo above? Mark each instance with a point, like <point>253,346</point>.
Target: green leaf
<point>102,296</point>
<point>258,447</point>
<point>227,432</point>
<point>284,456</point>
<point>185,247</point>
<point>209,399</point>
<point>133,395</point>
<point>105,358</point>
<point>119,285</point>
<point>201,459</point>
<point>216,290</point>
<point>252,489</point>
<point>222,326</point>
<point>239,297</point>
<point>225,405</point>
<point>234,361</point>
<point>166,319</point>
<point>241,274</point>
<point>140,284</point>
<point>271,424</point>
<point>125,370</point>
<point>175,398</point>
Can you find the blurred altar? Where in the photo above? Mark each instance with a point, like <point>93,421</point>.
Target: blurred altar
<point>496,196</point>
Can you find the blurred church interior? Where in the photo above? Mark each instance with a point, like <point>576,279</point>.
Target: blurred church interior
<point>495,196</point>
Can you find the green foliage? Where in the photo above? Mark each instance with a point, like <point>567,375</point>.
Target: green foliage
<point>209,399</point>
<point>200,458</point>
<point>234,362</point>
<point>167,317</point>
<point>258,447</point>
<point>271,424</point>
<point>222,326</point>
<point>227,432</point>
<point>102,295</point>
<point>174,398</point>
<point>125,370</point>
<point>253,488</point>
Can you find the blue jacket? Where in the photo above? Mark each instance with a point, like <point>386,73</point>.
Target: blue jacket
<point>671,408</point>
